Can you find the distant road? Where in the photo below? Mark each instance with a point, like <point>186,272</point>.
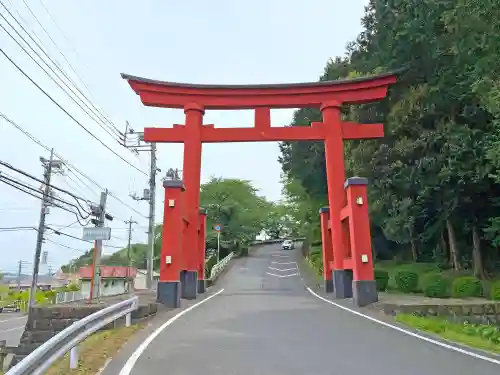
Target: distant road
<point>12,327</point>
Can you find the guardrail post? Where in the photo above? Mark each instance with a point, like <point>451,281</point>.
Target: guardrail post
<point>128,320</point>
<point>3,343</point>
<point>73,357</point>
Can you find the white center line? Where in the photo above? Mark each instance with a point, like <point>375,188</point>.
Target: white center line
<point>273,274</point>
<point>286,269</point>
<point>284,263</point>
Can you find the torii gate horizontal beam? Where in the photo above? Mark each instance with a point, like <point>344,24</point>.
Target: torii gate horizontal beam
<point>290,95</point>
<point>315,132</point>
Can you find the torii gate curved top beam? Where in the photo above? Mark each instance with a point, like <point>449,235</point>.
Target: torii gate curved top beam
<point>284,95</point>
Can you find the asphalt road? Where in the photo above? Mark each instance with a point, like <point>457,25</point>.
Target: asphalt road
<point>266,322</point>
<point>12,327</point>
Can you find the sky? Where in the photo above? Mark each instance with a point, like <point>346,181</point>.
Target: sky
<point>193,41</point>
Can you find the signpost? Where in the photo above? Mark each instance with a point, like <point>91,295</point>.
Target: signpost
<point>96,234</point>
<point>218,228</point>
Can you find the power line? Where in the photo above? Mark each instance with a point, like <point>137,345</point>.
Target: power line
<point>80,59</point>
<point>71,167</point>
<point>36,196</point>
<point>67,113</point>
<point>66,246</point>
<point>3,178</point>
<point>104,126</point>
<point>133,209</point>
<point>58,232</point>
<point>7,165</point>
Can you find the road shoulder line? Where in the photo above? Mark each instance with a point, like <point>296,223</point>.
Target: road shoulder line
<point>129,365</point>
<point>408,332</point>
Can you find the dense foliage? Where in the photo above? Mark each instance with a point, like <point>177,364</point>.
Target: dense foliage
<point>234,204</point>
<point>434,178</point>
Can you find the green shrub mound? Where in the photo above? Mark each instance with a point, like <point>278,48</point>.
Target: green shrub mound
<point>406,281</point>
<point>495,291</point>
<point>435,286</point>
<point>466,286</point>
<point>382,279</point>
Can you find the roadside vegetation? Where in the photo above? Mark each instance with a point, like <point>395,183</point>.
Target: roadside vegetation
<point>95,351</point>
<point>479,336</point>
<point>426,279</point>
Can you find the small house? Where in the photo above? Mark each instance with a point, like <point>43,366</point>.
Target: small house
<point>114,280</point>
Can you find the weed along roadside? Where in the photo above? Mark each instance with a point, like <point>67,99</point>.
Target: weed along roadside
<point>478,336</point>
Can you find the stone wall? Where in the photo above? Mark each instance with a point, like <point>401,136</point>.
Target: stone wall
<point>481,313</point>
<point>46,322</point>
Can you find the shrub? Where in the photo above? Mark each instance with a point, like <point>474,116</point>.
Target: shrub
<point>382,279</point>
<point>406,281</point>
<point>316,261</point>
<point>495,291</point>
<point>466,286</point>
<point>209,263</point>
<point>435,285</point>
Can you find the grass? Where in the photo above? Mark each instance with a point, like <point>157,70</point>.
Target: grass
<point>94,351</point>
<point>479,336</point>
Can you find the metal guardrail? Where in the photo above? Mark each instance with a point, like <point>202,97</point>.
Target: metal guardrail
<point>218,267</point>
<point>67,340</point>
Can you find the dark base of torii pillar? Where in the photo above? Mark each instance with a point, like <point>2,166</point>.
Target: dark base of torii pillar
<point>168,293</point>
<point>342,283</point>
<point>202,286</point>
<point>189,284</point>
<point>329,287</point>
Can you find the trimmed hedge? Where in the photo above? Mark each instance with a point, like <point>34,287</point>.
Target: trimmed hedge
<point>382,279</point>
<point>495,291</point>
<point>406,281</point>
<point>436,286</point>
<point>466,286</point>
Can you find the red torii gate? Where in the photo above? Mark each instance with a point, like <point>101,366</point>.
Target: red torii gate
<point>346,243</point>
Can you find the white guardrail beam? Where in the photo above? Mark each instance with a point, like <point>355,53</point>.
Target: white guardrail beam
<point>67,340</point>
<point>218,267</point>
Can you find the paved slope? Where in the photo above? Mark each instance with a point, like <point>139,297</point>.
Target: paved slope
<point>266,324</point>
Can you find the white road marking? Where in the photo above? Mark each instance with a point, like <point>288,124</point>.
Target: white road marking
<point>11,319</point>
<point>279,255</point>
<point>409,333</point>
<point>284,263</point>
<point>129,365</point>
<point>12,329</point>
<point>279,269</point>
<point>273,274</point>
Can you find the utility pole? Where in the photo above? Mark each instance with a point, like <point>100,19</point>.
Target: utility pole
<point>49,166</point>
<point>100,213</point>
<point>148,195</point>
<point>129,247</point>
<point>20,266</point>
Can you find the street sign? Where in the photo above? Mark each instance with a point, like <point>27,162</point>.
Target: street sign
<point>217,227</point>
<point>45,255</point>
<point>96,234</point>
